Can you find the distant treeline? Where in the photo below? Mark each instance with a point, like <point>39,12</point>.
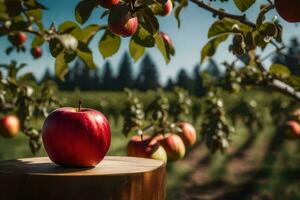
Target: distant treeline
<point>80,77</point>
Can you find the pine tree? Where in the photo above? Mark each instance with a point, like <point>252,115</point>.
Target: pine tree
<point>125,76</point>
<point>291,58</point>
<point>213,69</point>
<point>47,76</point>
<point>170,85</point>
<point>184,81</point>
<point>199,89</point>
<point>108,81</point>
<point>148,77</point>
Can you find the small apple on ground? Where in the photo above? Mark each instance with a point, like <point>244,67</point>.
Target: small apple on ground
<point>173,145</point>
<point>121,21</point>
<point>188,134</point>
<point>36,52</point>
<point>76,137</point>
<point>18,39</point>
<point>145,147</point>
<point>288,9</point>
<point>9,126</point>
<point>292,129</point>
<point>108,3</point>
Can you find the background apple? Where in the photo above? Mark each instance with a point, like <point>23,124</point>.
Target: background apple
<point>146,148</point>
<point>121,21</point>
<point>292,129</point>
<point>18,39</point>
<point>9,126</point>
<point>36,52</point>
<point>79,138</point>
<point>288,9</point>
<point>188,134</point>
<point>108,3</point>
<point>173,145</point>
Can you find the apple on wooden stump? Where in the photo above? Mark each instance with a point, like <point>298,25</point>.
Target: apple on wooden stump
<point>9,126</point>
<point>76,137</point>
<point>143,146</point>
<point>173,145</point>
<point>188,134</point>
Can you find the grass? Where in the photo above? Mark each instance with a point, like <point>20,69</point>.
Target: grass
<point>283,171</point>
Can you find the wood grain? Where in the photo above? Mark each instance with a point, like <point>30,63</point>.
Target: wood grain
<point>115,178</point>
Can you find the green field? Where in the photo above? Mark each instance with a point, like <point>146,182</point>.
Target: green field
<point>252,162</point>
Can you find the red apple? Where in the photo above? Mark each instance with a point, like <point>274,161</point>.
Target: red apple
<point>79,138</point>
<point>288,9</point>
<point>9,126</point>
<point>18,39</point>
<point>168,41</point>
<point>167,8</point>
<point>173,145</point>
<point>108,3</point>
<point>188,134</point>
<point>146,148</point>
<point>292,129</point>
<point>121,21</point>
<point>36,52</point>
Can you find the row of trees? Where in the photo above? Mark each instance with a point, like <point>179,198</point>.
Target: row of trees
<point>147,78</point>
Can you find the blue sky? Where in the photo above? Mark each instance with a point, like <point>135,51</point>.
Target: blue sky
<point>189,39</point>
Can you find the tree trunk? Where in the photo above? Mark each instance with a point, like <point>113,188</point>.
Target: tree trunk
<point>115,178</point>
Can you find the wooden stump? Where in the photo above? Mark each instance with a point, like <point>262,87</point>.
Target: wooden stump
<point>115,178</point>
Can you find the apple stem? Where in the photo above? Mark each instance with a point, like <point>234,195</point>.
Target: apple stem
<point>142,137</point>
<point>79,105</point>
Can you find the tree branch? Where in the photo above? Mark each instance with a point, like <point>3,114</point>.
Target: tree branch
<point>284,88</point>
<point>277,84</point>
<point>222,14</point>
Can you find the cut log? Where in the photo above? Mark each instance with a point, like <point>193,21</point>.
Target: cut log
<point>115,178</point>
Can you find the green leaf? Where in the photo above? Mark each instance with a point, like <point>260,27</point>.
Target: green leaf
<point>136,50</point>
<point>61,67</point>
<point>225,25</point>
<point>109,44</point>
<point>86,55</point>
<point>88,32</point>
<point>151,23</point>
<point>83,10</point>
<point>55,47</point>
<point>280,70</point>
<point>68,27</point>
<point>143,37</point>
<point>162,47</point>
<point>211,46</point>
<point>182,4</point>
<point>37,41</point>
<point>243,5</point>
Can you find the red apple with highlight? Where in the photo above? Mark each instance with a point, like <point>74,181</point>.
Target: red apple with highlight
<point>36,52</point>
<point>121,21</point>
<point>108,3</point>
<point>188,134</point>
<point>78,138</point>
<point>9,126</point>
<point>173,145</point>
<point>145,147</point>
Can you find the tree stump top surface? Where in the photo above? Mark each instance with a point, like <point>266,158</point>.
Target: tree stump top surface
<point>110,165</point>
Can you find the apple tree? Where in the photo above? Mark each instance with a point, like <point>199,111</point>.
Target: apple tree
<point>137,20</point>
